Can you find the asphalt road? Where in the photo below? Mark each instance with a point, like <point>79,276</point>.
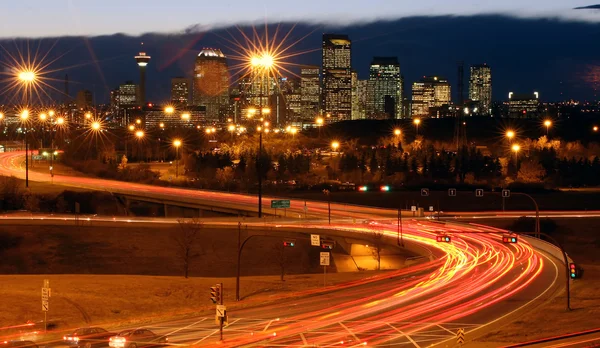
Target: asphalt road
<point>475,282</point>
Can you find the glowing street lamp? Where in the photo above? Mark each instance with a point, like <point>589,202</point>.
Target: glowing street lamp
<point>417,121</point>
<point>161,125</point>
<point>60,121</point>
<point>88,115</point>
<point>265,111</point>
<point>510,134</point>
<point>547,123</point>
<point>169,109</point>
<point>26,76</point>
<point>516,148</point>
<point>177,144</point>
<point>131,127</point>
<point>96,126</point>
<point>186,116</point>
<point>595,128</point>
<point>397,132</point>
<point>24,117</point>
<point>138,121</point>
<point>319,121</point>
<point>51,113</point>
<point>43,116</point>
<point>139,134</point>
<point>335,145</point>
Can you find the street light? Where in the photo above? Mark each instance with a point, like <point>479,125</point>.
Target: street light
<point>397,132</point>
<point>516,148</point>
<point>510,134</point>
<point>417,121</point>
<point>169,109</point>
<point>177,144</point>
<point>138,121</point>
<point>88,115</point>
<point>60,121</point>
<point>335,145</point>
<point>547,123</point>
<point>96,126</point>
<point>27,76</point>
<point>595,128</point>
<point>139,134</point>
<point>186,116</point>
<point>24,117</point>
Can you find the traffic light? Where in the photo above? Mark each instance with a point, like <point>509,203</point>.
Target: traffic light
<point>510,239</point>
<point>289,243</point>
<point>443,239</point>
<point>327,245</point>
<point>363,188</point>
<point>215,293</point>
<point>384,188</point>
<point>573,271</point>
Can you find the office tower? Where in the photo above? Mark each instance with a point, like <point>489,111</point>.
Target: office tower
<point>428,94</point>
<point>286,105</point>
<point>142,61</point>
<point>337,77</point>
<point>127,95</point>
<point>211,83</point>
<point>523,105</point>
<point>84,100</point>
<point>180,91</point>
<point>355,109</point>
<point>384,93</point>
<point>186,117</point>
<point>310,91</point>
<point>480,88</point>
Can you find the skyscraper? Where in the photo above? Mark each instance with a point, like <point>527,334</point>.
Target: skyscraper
<point>310,91</point>
<point>84,99</point>
<point>429,92</point>
<point>337,77</point>
<point>480,87</point>
<point>211,83</point>
<point>142,61</point>
<point>180,91</point>
<point>384,93</point>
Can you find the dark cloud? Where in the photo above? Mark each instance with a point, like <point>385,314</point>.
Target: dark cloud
<point>590,7</point>
<point>557,58</point>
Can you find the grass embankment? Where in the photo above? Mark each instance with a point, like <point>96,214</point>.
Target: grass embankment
<point>114,300</point>
<point>581,241</point>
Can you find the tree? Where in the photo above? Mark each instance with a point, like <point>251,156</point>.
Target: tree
<point>31,202</point>
<point>531,171</point>
<point>377,237</point>
<point>281,258</point>
<point>186,239</point>
<point>224,176</point>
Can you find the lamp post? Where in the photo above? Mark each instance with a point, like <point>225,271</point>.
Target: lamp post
<point>177,144</point>
<point>417,121</point>
<point>139,135</point>
<point>24,118</point>
<point>547,123</point>
<point>510,135</point>
<point>516,148</point>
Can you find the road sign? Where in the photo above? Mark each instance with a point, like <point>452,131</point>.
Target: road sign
<point>431,208</point>
<point>413,208</point>
<point>45,306</point>
<point>324,259</point>
<point>280,203</point>
<point>479,193</point>
<point>315,240</point>
<point>424,192</point>
<point>460,336</point>
<point>221,311</point>
<point>452,192</point>
<point>505,193</point>
<point>45,294</point>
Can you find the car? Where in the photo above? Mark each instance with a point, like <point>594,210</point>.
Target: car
<point>137,338</point>
<point>87,337</point>
<point>19,344</point>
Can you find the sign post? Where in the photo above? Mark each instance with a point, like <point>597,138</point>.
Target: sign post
<point>315,240</point>
<point>45,301</point>
<point>324,258</point>
<point>460,337</point>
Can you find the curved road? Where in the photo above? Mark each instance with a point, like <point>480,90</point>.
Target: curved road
<point>476,283</point>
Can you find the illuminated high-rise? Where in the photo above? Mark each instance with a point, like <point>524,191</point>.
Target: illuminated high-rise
<point>337,77</point>
<point>310,91</point>
<point>384,98</point>
<point>142,60</point>
<point>429,92</point>
<point>211,83</point>
<point>180,91</point>
<point>480,87</point>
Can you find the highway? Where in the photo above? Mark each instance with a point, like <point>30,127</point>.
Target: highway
<point>476,282</point>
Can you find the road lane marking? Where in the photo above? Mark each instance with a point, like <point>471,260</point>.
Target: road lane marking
<point>405,335</point>
<point>350,331</point>
<point>269,324</point>
<point>443,328</point>
<point>304,341</point>
<point>207,336</point>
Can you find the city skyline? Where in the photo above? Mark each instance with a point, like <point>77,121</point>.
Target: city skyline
<point>574,76</point>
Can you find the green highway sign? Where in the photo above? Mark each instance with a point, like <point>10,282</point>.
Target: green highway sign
<point>281,203</point>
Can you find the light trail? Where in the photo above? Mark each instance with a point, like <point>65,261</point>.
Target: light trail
<point>473,274</point>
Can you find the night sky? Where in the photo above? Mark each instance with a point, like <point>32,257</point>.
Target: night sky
<point>535,51</point>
